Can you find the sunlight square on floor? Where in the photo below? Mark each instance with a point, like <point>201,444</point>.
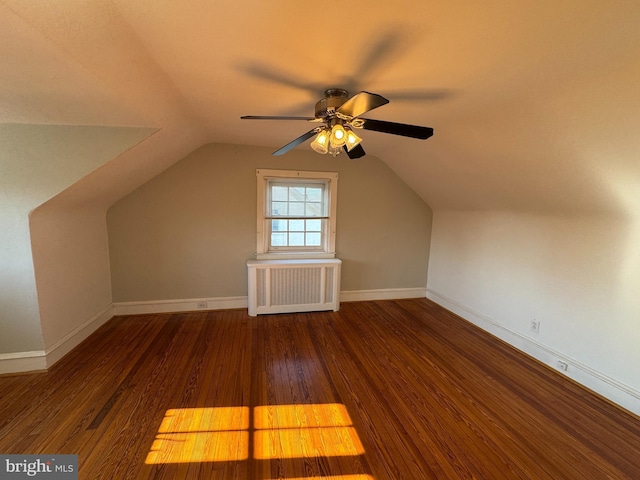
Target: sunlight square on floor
<point>223,434</point>
<point>303,431</point>
<point>358,476</point>
<point>202,435</point>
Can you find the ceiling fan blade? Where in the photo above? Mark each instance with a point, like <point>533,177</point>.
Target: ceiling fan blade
<point>362,102</point>
<point>291,145</point>
<point>272,74</point>
<point>373,58</point>
<point>273,117</point>
<point>428,95</point>
<point>413,131</point>
<point>356,152</point>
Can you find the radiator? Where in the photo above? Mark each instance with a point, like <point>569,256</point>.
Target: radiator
<point>285,286</point>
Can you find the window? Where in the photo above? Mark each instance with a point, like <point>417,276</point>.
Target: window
<point>296,214</point>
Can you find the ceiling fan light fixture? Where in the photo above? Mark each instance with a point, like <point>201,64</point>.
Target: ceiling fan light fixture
<point>352,140</point>
<point>338,116</point>
<point>321,143</point>
<point>335,151</point>
<point>338,135</point>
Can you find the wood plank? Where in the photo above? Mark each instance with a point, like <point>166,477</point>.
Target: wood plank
<point>379,390</point>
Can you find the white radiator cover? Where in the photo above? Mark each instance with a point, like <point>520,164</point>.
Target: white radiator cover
<point>286,286</point>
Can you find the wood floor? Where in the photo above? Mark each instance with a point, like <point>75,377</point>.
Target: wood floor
<point>380,390</point>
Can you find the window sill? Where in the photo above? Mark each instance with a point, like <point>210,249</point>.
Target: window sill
<point>294,255</point>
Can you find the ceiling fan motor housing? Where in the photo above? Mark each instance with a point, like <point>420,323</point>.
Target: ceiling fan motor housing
<point>334,98</point>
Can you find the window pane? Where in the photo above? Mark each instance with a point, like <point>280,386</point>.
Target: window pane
<point>296,209</point>
<point>314,194</point>
<point>296,194</point>
<point>279,193</point>
<point>279,208</point>
<point>314,225</point>
<point>296,239</point>
<point>279,225</point>
<point>313,210</point>
<point>279,239</point>
<point>313,239</point>
<point>296,225</point>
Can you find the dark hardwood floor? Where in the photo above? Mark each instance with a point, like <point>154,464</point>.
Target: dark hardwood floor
<point>379,390</point>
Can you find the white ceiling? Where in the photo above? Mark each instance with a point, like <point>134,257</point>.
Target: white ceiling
<point>535,104</point>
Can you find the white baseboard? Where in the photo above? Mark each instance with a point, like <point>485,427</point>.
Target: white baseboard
<point>75,337</point>
<point>600,383</point>
<point>221,303</point>
<point>180,305</point>
<point>382,294</point>
<point>22,362</point>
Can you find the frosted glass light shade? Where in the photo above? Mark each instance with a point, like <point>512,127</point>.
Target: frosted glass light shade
<point>352,140</point>
<point>321,143</point>
<point>338,136</point>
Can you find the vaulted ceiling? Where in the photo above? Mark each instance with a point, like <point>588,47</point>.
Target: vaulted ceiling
<point>535,105</point>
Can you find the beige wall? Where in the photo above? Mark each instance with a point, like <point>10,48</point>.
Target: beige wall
<point>38,162</point>
<point>189,231</point>
<point>579,276</point>
<point>70,253</point>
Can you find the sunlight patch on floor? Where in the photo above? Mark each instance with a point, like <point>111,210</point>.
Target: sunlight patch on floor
<point>223,434</point>
<point>336,477</point>
<point>301,415</point>
<point>307,443</point>
<point>304,431</point>
<point>202,435</point>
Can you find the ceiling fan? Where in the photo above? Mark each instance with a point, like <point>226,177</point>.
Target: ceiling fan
<point>339,116</point>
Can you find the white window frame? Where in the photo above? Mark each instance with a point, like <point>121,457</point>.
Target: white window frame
<point>264,178</point>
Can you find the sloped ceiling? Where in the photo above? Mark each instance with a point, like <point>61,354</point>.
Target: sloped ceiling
<point>534,104</point>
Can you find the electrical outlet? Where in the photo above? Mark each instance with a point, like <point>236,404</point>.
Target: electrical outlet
<point>535,326</point>
<point>563,366</point>
<point>202,304</point>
